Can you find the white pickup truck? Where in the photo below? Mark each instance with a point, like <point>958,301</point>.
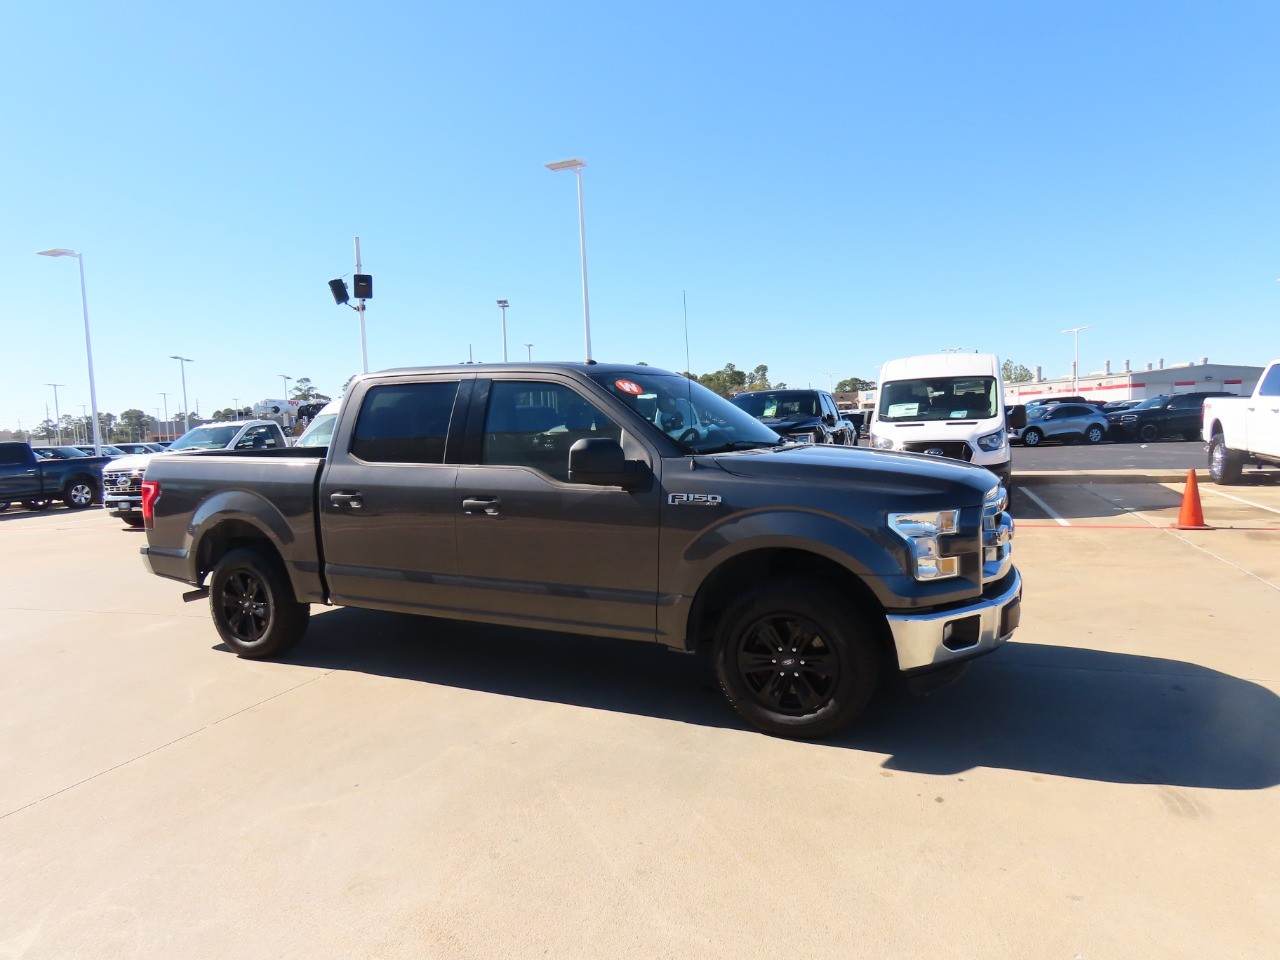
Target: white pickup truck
<point>1242,430</point>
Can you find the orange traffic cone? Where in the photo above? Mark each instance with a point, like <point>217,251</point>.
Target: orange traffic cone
<point>1190,516</point>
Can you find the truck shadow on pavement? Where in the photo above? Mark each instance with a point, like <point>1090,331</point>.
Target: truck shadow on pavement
<point>1059,711</point>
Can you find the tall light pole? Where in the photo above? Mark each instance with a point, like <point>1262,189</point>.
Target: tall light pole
<point>529,347</point>
<point>168,432</point>
<point>1075,364</point>
<point>182,365</point>
<point>88,344</point>
<point>831,381</point>
<point>286,380</point>
<point>84,415</point>
<point>57,413</point>
<point>576,166</point>
<point>502,305</point>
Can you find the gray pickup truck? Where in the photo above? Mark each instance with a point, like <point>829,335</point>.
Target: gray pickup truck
<point>615,501</point>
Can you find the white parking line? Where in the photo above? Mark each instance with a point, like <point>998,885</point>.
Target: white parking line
<point>1045,507</point>
<point>1247,503</point>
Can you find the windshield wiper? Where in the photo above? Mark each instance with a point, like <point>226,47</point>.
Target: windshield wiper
<point>741,445</point>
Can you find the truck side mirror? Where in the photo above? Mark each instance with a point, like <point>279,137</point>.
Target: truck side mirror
<point>829,420</point>
<point>1016,417</point>
<point>600,461</point>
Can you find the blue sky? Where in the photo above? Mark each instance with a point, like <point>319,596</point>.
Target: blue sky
<point>833,184</point>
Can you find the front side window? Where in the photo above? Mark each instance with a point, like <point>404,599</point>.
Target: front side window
<point>534,425</point>
<point>405,422</point>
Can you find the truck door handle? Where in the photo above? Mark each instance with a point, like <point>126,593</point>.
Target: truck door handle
<point>353,500</point>
<point>489,506</point>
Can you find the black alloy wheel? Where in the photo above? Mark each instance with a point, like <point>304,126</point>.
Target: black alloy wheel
<point>253,605</point>
<point>795,660</point>
<point>1149,433</point>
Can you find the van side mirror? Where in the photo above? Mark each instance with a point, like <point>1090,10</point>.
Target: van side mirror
<point>1016,417</point>
<point>600,461</point>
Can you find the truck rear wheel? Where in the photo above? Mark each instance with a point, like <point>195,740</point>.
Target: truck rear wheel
<point>795,660</point>
<point>1225,464</point>
<point>80,494</point>
<point>253,605</point>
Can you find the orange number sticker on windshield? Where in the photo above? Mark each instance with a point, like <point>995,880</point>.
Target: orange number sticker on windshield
<point>628,386</point>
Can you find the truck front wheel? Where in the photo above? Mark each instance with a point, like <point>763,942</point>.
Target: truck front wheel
<point>795,660</point>
<point>253,605</point>
<point>1225,464</point>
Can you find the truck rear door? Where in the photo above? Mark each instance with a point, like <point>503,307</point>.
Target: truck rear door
<point>1262,415</point>
<point>19,474</point>
<point>386,497</point>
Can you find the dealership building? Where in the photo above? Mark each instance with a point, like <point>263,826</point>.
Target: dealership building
<point>1152,380</point>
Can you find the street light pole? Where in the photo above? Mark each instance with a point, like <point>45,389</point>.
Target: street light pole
<point>168,431</point>
<point>576,166</point>
<point>831,381</point>
<point>186,414</point>
<point>57,413</point>
<point>286,380</point>
<point>1075,364</point>
<point>88,343</point>
<point>503,304</point>
<point>529,348</point>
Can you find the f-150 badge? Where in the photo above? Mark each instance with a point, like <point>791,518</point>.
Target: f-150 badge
<point>694,499</point>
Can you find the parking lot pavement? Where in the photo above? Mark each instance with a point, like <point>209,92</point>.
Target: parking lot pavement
<point>1104,786</point>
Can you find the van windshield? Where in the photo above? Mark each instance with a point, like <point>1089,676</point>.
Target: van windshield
<point>939,398</point>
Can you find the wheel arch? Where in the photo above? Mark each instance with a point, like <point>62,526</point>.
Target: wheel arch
<point>761,565</point>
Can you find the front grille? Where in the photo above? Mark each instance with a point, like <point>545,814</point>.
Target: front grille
<point>111,483</point>
<point>997,536</point>
<point>952,449</point>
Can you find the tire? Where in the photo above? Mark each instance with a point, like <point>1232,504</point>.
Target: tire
<point>1094,433</point>
<point>132,521</point>
<point>1225,464</point>
<point>253,605</point>
<point>80,494</point>
<point>1031,437</point>
<point>796,623</point>
<point>1149,433</point>
<point>35,506</point>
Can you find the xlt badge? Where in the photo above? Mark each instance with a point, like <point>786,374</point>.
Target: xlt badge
<point>695,499</point>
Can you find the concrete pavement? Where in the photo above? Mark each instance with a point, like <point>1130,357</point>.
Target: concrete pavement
<point>1105,786</point>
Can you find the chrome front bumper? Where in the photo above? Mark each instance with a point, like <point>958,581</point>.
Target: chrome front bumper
<point>937,639</point>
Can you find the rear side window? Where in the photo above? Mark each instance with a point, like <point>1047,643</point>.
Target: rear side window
<point>405,422</point>
<point>1271,383</point>
<point>10,455</point>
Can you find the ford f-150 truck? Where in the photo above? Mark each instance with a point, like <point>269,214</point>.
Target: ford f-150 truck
<point>1242,430</point>
<point>615,501</point>
<point>26,478</point>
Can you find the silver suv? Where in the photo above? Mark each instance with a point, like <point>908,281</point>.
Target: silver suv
<point>1066,422</point>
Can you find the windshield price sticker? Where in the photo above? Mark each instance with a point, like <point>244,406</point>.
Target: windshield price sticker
<point>628,386</point>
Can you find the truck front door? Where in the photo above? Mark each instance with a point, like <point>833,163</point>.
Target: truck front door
<point>386,499</point>
<point>19,475</point>
<point>535,549</point>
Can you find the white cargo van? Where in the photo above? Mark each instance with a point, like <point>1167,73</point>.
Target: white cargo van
<point>947,405</point>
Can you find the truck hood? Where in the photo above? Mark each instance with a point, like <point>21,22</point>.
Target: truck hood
<point>890,471</point>
<point>135,461</point>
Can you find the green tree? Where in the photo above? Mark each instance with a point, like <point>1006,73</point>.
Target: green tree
<point>1014,372</point>
<point>758,379</point>
<point>304,392</point>
<point>134,424</point>
<point>727,381</point>
<point>854,384</point>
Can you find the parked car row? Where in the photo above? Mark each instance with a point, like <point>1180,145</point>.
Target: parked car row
<point>1155,418</point>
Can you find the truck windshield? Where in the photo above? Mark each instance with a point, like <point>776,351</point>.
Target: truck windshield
<point>779,404</point>
<point>939,398</point>
<point>1151,402</point>
<point>695,418</point>
<point>205,438</point>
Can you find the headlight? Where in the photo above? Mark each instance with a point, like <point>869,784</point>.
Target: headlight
<point>881,443</point>
<point>992,441</point>
<point>921,531</point>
